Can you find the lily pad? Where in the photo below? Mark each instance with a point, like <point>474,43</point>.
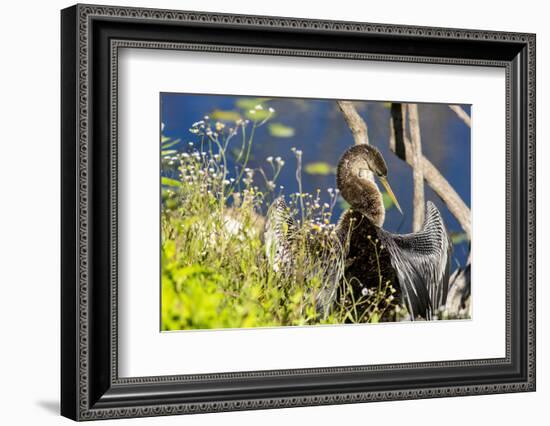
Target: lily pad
<point>167,152</point>
<point>279,130</point>
<point>250,103</point>
<point>227,115</point>
<point>319,168</point>
<point>168,143</point>
<point>257,114</point>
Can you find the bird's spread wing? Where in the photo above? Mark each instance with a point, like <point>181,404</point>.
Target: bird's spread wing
<point>280,229</point>
<point>422,263</point>
<point>323,252</point>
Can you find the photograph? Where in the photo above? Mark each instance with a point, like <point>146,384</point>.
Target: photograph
<point>296,212</point>
<point>267,209</point>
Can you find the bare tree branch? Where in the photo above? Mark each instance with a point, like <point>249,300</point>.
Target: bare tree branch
<point>418,175</point>
<point>356,124</point>
<point>401,146</point>
<point>463,115</point>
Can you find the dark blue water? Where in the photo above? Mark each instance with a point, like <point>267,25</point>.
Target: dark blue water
<point>321,132</point>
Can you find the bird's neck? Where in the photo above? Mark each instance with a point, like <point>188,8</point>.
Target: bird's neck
<point>363,196</point>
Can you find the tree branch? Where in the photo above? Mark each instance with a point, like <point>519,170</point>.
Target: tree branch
<point>462,114</point>
<point>401,146</point>
<point>418,175</point>
<point>356,124</point>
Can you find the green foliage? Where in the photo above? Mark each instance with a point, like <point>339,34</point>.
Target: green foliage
<point>216,271</point>
<point>170,182</point>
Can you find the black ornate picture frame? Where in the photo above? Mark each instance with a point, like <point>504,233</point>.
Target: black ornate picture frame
<point>91,387</point>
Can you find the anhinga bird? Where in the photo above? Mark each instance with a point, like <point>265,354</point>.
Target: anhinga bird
<point>416,265</point>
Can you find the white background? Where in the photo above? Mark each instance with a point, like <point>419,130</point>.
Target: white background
<point>29,225</point>
<point>146,352</point>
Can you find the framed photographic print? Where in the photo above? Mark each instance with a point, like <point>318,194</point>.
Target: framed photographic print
<point>263,212</point>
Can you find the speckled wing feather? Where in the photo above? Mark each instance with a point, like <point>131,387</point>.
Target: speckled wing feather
<point>323,252</point>
<point>280,229</point>
<point>422,263</point>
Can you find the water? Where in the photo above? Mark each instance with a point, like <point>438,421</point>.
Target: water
<point>321,132</point>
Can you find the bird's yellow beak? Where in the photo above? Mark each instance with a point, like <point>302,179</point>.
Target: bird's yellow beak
<point>390,192</point>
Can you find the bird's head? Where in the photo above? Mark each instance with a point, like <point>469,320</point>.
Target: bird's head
<point>366,161</point>
<point>360,163</point>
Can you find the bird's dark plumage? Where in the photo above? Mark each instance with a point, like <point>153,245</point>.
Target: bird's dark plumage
<point>416,265</point>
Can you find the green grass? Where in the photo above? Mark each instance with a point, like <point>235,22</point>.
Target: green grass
<point>215,269</point>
